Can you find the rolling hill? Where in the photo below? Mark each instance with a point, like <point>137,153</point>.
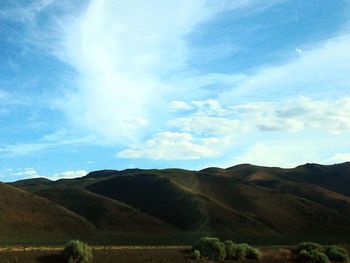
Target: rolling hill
<point>25,216</point>
<point>307,201</point>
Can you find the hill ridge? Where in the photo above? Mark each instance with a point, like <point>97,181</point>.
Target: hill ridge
<point>308,200</point>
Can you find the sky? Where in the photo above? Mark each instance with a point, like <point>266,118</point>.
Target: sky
<point>115,84</point>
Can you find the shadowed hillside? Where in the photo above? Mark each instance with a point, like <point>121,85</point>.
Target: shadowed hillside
<point>309,200</point>
<point>27,216</point>
<point>105,213</point>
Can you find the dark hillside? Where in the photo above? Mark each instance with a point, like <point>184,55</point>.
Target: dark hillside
<point>27,216</point>
<point>310,200</point>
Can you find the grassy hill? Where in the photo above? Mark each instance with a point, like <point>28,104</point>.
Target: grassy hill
<point>25,216</point>
<point>308,201</point>
<point>105,213</point>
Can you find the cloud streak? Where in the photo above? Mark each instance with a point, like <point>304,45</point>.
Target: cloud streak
<point>126,60</point>
<point>320,71</point>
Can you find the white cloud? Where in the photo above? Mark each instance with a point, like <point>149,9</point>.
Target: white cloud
<point>299,51</point>
<point>292,115</point>
<point>178,105</point>
<point>298,114</point>
<point>27,173</point>
<point>208,118</point>
<point>127,61</point>
<point>225,126</point>
<point>278,153</point>
<point>68,175</point>
<point>338,158</point>
<point>121,52</point>
<point>288,152</point>
<point>172,146</point>
<point>208,125</point>
<point>130,66</point>
<point>209,107</point>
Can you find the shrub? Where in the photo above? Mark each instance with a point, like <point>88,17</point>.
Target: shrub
<point>77,252</point>
<point>241,251</point>
<point>219,251</point>
<point>252,253</point>
<point>312,256</point>
<point>211,248</point>
<point>337,254</point>
<point>308,246</point>
<point>204,245</point>
<point>196,254</point>
<point>230,249</point>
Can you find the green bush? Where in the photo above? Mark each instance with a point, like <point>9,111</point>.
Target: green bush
<point>308,246</point>
<point>77,252</point>
<point>253,253</point>
<point>196,254</point>
<point>312,256</point>
<point>337,254</point>
<point>230,249</point>
<point>219,251</point>
<point>211,248</point>
<point>204,245</point>
<point>241,251</point>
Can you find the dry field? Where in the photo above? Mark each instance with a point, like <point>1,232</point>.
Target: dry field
<point>127,255</point>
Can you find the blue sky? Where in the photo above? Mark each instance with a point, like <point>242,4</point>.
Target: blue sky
<point>115,84</point>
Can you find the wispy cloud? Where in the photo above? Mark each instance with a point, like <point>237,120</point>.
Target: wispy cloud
<point>24,12</point>
<point>319,71</point>
<point>127,59</point>
<point>56,139</point>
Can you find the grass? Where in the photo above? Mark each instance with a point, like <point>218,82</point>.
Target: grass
<point>125,256</point>
<point>270,254</point>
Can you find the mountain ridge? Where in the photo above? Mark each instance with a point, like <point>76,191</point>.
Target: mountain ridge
<point>308,200</point>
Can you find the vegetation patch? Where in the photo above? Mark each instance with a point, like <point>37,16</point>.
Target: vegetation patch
<point>337,254</point>
<point>213,249</point>
<point>310,252</point>
<point>196,254</point>
<point>77,252</point>
<point>312,256</point>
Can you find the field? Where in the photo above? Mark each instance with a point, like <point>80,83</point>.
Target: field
<point>134,255</point>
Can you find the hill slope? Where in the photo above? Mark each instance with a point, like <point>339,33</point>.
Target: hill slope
<point>309,200</point>
<point>27,216</point>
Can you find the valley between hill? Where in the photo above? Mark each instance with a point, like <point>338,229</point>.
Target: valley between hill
<point>247,202</point>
